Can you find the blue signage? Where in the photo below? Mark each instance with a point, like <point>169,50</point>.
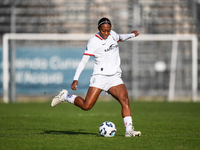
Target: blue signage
<point>48,70</point>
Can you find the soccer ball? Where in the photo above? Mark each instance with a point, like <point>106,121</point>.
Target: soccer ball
<point>107,129</point>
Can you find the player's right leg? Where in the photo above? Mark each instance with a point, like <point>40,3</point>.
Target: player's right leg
<point>91,98</point>
<point>88,103</point>
<point>59,98</point>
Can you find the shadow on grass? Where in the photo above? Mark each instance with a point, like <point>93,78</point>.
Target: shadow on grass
<point>68,132</point>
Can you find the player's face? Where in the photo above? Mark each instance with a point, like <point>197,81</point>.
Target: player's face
<point>105,30</point>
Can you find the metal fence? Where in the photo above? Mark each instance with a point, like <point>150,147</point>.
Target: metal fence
<point>146,16</point>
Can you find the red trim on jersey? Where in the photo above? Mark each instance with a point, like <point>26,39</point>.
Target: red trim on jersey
<point>99,36</point>
<point>119,39</point>
<point>89,54</point>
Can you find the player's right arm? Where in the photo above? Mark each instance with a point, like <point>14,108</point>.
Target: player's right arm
<point>79,69</point>
<point>74,85</point>
<point>89,51</point>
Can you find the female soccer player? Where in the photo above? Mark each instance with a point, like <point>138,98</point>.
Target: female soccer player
<point>106,74</point>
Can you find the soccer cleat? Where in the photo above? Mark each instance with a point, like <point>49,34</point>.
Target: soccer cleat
<point>133,133</point>
<point>59,98</point>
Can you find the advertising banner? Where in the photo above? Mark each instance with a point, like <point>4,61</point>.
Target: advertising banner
<point>48,70</point>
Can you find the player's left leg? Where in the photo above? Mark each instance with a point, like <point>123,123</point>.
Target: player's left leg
<point>120,93</point>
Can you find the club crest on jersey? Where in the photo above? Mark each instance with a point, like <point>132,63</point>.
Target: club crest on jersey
<point>111,47</point>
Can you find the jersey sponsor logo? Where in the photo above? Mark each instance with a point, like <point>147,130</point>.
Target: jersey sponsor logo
<point>111,47</point>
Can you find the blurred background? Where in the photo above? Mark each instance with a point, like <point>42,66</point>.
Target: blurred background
<point>40,69</point>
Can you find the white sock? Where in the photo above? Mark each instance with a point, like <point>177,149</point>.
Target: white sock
<point>128,123</point>
<point>69,97</point>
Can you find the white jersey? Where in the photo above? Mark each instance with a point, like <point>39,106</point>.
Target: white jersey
<point>105,52</point>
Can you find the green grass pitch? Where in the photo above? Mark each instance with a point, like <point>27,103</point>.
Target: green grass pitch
<point>36,126</point>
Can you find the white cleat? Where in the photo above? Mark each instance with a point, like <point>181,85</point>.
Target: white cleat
<point>133,133</point>
<point>59,98</point>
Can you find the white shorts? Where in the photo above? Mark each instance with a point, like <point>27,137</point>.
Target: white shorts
<point>105,82</point>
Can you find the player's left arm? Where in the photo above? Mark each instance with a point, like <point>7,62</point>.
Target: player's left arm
<point>135,32</point>
<point>124,37</point>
